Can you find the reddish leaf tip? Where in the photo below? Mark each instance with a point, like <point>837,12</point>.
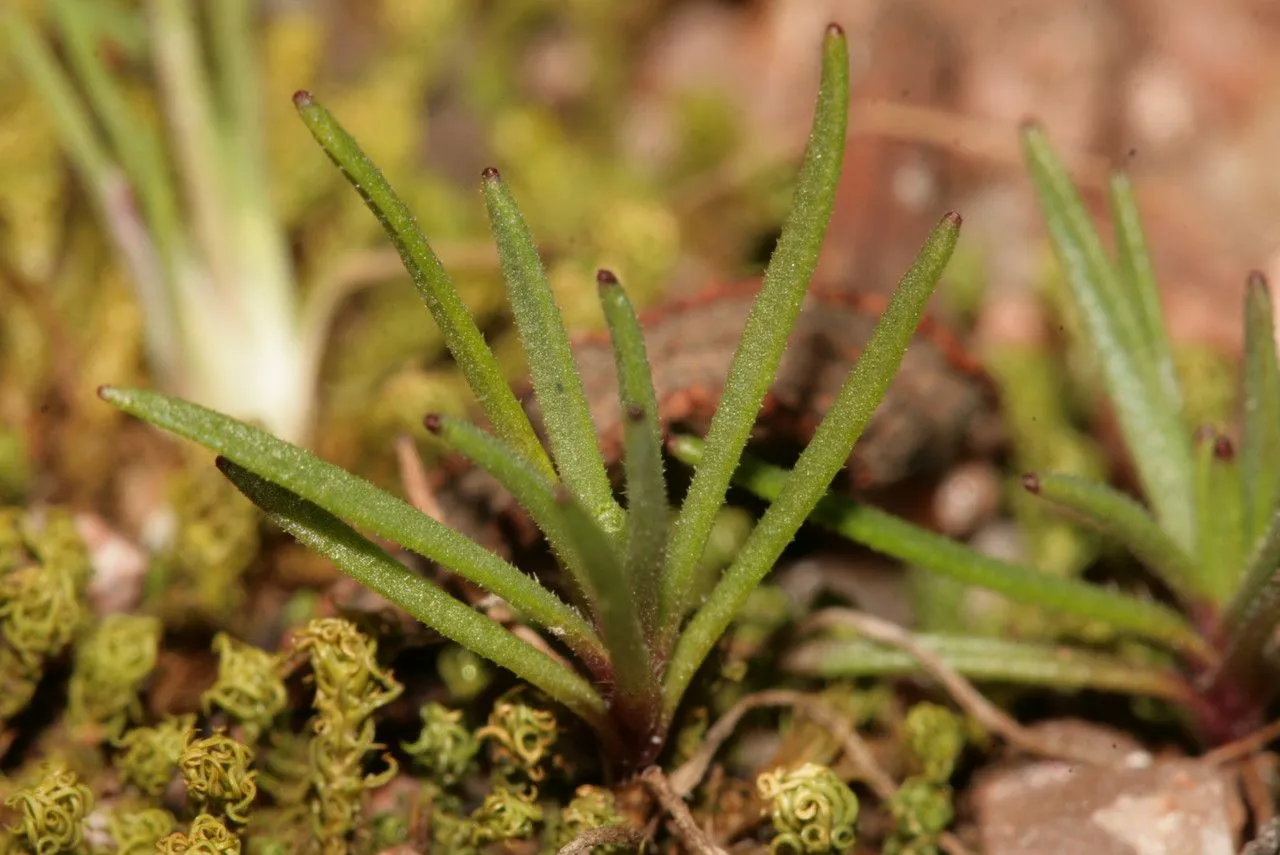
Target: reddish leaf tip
<point>635,412</point>
<point>104,391</point>
<point>1256,280</point>
<point>834,29</point>
<point>1031,482</point>
<point>490,173</point>
<point>433,422</point>
<point>1028,125</point>
<point>1224,449</point>
<point>953,219</point>
<point>302,98</point>
<point>561,495</point>
<point>606,277</point>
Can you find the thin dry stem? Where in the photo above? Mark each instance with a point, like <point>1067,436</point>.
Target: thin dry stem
<point>607,835</point>
<point>961,690</point>
<point>413,478</point>
<point>694,839</point>
<point>690,774</point>
<point>1242,747</point>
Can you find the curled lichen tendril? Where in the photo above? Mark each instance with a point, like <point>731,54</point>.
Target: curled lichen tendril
<point>506,814</point>
<point>812,810</point>
<point>350,687</point>
<point>520,736</point>
<point>218,776</point>
<point>207,836</point>
<point>445,748</point>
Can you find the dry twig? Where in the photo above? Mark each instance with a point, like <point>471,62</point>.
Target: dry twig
<point>694,838</point>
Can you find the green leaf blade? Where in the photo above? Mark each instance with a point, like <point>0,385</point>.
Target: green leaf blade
<point>764,338</point>
<point>556,381</point>
<point>1152,427</point>
<point>356,500</point>
<point>463,338</point>
<point>827,453</point>
<point>1125,521</point>
<point>648,513</point>
<point>372,567</point>
<point>1260,431</point>
<point>994,660</point>
<point>916,546</point>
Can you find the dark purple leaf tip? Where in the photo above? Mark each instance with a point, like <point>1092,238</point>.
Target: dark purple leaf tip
<point>433,423</point>
<point>302,98</point>
<point>953,219</point>
<point>1031,482</point>
<point>606,277</point>
<point>635,412</point>
<point>1224,449</point>
<point>490,173</point>
<point>834,29</point>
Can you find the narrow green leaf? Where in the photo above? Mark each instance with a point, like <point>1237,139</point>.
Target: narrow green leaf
<point>764,337</point>
<point>529,487</point>
<point>1220,517</point>
<point>1152,427</point>
<point>465,341</point>
<point>1260,431</point>
<point>1257,591</point>
<point>826,454</point>
<point>919,547</point>
<point>1139,278</point>
<point>359,502</point>
<point>994,660</point>
<point>1251,620</point>
<point>556,381</point>
<point>648,514</point>
<point>634,669</point>
<point>1125,521</point>
<point>372,567</point>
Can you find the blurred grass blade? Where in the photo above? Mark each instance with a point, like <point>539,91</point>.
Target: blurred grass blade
<point>358,501</point>
<point>826,454</point>
<point>764,337</point>
<point>1220,516</point>
<point>648,514</point>
<point>556,381</point>
<point>1251,619</point>
<point>529,487</point>
<point>1128,523</point>
<point>465,341</point>
<point>1139,278</point>
<point>1152,426</point>
<point>993,660</point>
<point>919,547</point>
<point>372,567</point>
<point>1260,431</point>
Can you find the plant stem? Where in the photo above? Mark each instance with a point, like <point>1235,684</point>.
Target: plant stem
<point>1260,431</point>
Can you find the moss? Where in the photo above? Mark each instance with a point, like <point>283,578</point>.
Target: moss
<point>149,756</point>
<point>249,686</point>
<point>110,666</point>
<point>812,810</point>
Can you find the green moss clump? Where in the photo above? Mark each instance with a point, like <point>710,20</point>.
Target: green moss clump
<point>218,776</point>
<point>136,832</point>
<point>520,737</point>
<point>812,810</point>
<point>445,749</point>
<point>149,756</point>
<point>51,811</point>
<point>110,666</point>
<point>44,570</point>
<point>249,686</point>
<point>207,836</point>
